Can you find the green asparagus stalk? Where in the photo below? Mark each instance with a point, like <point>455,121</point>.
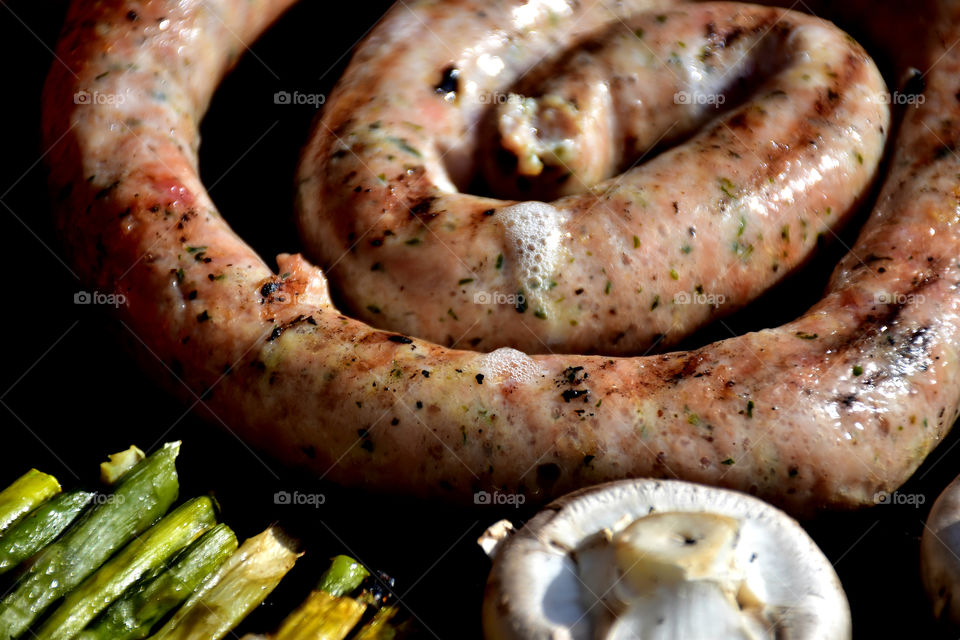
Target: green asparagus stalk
<point>342,576</point>
<point>142,497</point>
<point>327,614</point>
<point>118,464</point>
<point>23,496</point>
<point>136,612</point>
<point>240,585</point>
<point>146,553</point>
<point>382,627</point>
<point>41,527</point>
<point>322,617</point>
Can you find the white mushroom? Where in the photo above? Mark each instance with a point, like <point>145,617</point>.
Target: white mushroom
<point>660,560</point>
<point>939,548</point>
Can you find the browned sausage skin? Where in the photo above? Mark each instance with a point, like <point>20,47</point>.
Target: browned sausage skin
<point>825,410</point>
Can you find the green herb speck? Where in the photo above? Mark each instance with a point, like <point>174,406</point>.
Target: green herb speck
<point>404,145</point>
<point>727,188</point>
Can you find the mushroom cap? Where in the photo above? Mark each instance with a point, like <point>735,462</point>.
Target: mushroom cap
<point>533,591</point>
<point>939,548</point>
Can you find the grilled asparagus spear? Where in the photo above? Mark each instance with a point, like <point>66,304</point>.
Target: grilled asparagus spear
<point>342,576</point>
<point>382,627</point>
<point>41,527</point>
<point>118,464</point>
<point>25,494</point>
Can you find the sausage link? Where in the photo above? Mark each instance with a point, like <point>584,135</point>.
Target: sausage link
<point>621,263</point>
<point>844,401</point>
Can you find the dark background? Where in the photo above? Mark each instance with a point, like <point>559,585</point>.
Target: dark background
<point>69,393</point>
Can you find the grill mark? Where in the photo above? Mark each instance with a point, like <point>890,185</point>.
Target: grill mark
<point>807,133</point>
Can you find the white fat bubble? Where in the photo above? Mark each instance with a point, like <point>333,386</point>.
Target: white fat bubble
<point>534,231</point>
<point>509,364</point>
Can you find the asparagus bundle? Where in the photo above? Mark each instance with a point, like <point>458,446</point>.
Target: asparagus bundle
<point>120,567</point>
<point>142,497</point>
